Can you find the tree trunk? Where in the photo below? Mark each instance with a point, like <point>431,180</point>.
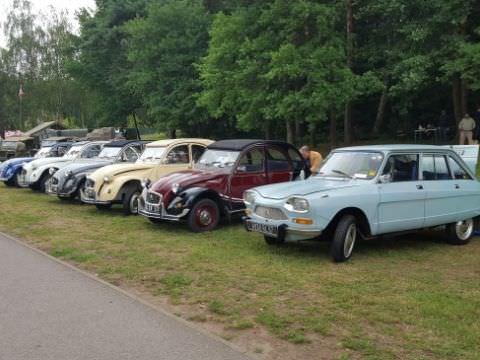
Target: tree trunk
<point>173,133</point>
<point>333,129</point>
<point>464,96</point>
<point>268,131</point>
<point>381,110</point>
<point>456,98</point>
<point>290,135</point>
<point>298,130</point>
<point>347,120</point>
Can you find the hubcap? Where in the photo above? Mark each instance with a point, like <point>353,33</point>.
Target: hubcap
<point>349,242</point>
<point>134,203</point>
<point>205,217</point>
<point>464,229</point>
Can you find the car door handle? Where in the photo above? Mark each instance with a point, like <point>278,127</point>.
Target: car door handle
<point>420,187</point>
<point>457,186</point>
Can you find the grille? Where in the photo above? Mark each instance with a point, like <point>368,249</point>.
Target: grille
<point>54,180</point>
<point>153,198</point>
<point>90,183</point>
<point>270,213</point>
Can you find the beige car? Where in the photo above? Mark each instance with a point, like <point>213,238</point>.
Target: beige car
<point>122,183</point>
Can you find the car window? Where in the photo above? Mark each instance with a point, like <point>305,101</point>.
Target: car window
<point>296,158</point>
<point>277,160</point>
<point>197,152</point>
<point>441,168</point>
<point>130,154</point>
<point>402,167</point>
<point>92,151</point>
<point>251,161</point>
<point>434,167</point>
<point>178,155</point>
<point>458,171</point>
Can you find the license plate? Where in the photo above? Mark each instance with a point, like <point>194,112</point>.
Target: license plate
<point>152,208</point>
<point>267,229</point>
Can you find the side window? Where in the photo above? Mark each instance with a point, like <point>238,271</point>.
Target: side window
<point>402,168</point>
<point>178,155</point>
<point>458,171</point>
<point>62,150</point>
<point>277,160</point>
<point>296,158</point>
<point>251,161</point>
<point>197,151</point>
<point>428,167</point>
<point>130,154</point>
<point>92,151</point>
<point>441,168</point>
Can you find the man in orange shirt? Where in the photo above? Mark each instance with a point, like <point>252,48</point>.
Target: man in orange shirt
<point>313,158</point>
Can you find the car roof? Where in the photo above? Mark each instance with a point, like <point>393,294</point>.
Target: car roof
<point>241,144</point>
<point>395,147</point>
<point>122,143</point>
<point>168,142</point>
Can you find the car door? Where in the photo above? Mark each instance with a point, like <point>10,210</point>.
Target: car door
<point>196,151</point>
<point>279,168</point>
<point>248,172</point>
<point>176,158</point>
<point>441,193</point>
<point>402,195</point>
<point>466,190</point>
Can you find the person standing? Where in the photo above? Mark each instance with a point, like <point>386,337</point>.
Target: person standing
<point>443,125</point>
<point>313,158</point>
<point>466,128</point>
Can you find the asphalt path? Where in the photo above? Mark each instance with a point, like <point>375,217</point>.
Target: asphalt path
<point>49,310</point>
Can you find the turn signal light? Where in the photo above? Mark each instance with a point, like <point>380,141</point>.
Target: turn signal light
<point>303,221</point>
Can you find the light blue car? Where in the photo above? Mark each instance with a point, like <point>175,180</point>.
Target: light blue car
<point>369,191</point>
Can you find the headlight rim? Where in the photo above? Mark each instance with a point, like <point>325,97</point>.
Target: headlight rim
<point>290,205</point>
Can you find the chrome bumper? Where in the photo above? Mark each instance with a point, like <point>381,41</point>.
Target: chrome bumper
<point>89,197</point>
<point>157,211</point>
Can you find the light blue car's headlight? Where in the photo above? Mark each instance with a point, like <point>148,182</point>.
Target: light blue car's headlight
<point>297,204</point>
<point>249,197</point>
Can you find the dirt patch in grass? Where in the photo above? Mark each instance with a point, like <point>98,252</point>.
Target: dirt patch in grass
<point>400,298</point>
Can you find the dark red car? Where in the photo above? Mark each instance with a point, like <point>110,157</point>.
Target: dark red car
<point>214,188</point>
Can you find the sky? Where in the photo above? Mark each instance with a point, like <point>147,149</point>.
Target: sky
<point>39,5</point>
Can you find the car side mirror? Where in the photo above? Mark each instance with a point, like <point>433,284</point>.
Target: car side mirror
<point>385,179</point>
<point>241,168</point>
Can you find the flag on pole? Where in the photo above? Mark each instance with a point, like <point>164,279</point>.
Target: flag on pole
<point>21,94</point>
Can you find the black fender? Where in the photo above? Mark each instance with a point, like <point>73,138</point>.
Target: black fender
<point>187,198</point>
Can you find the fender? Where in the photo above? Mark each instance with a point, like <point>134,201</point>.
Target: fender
<point>186,198</point>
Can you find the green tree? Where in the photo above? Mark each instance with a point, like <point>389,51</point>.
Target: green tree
<point>162,48</point>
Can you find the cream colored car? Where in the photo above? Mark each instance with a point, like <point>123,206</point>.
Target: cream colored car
<point>122,183</point>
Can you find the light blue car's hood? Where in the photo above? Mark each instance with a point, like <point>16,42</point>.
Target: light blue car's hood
<point>303,187</point>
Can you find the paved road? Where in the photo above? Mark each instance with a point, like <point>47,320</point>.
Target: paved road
<point>51,311</point>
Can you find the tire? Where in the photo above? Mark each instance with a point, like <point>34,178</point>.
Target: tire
<point>204,216</point>
<point>273,241</point>
<point>42,183</point>
<point>9,183</point>
<point>155,221</point>
<point>130,201</point>
<point>103,206</point>
<point>461,232</point>
<point>344,238</point>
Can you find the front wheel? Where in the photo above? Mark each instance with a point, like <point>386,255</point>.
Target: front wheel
<point>270,240</point>
<point>460,233</point>
<point>103,206</point>
<point>130,201</point>
<point>42,186</point>
<point>344,238</point>
<point>204,216</point>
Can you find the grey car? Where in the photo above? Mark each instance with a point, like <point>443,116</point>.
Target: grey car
<point>67,182</point>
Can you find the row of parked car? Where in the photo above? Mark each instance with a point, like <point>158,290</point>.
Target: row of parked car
<point>360,192</point>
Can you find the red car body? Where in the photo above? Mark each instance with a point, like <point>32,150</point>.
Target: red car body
<point>214,189</point>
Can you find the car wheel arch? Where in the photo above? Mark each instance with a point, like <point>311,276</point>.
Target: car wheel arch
<point>361,217</point>
<point>197,194</point>
<point>127,186</point>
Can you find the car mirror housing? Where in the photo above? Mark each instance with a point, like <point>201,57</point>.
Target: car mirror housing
<point>385,179</point>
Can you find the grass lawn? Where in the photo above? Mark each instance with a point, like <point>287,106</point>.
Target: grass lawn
<point>413,297</point>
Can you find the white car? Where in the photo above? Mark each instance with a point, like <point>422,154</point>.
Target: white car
<point>35,174</point>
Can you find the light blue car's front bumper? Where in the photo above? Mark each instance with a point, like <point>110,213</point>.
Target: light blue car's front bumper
<point>285,229</point>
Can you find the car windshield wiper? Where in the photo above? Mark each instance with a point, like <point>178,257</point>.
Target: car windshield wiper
<point>343,173</point>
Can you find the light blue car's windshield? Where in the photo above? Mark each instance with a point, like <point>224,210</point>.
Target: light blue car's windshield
<point>351,164</point>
